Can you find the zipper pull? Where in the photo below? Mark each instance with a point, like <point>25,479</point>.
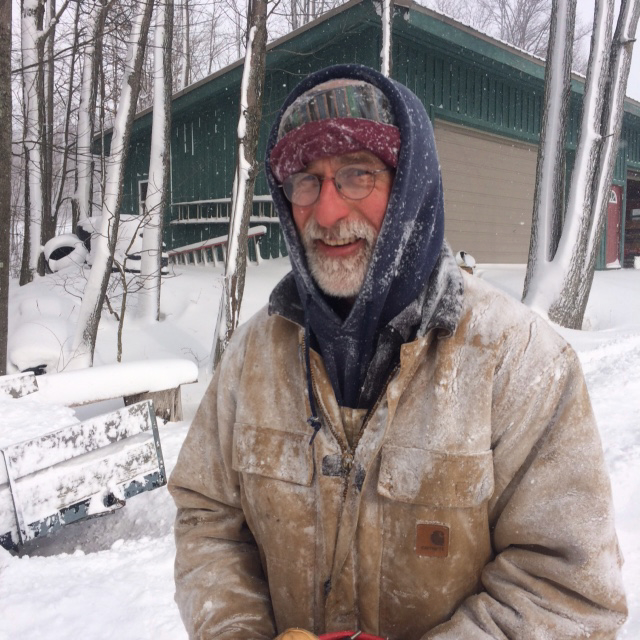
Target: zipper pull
<point>347,461</point>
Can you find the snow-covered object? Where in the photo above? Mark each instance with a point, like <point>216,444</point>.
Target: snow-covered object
<point>128,244</point>
<point>550,167</point>
<point>18,385</point>
<point>251,90</point>
<point>66,250</point>
<point>78,471</point>
<point>466,261</point>
<point>40,330</point>
<point>114,380</point>
<point>558,283</point>
<point>39,342</point>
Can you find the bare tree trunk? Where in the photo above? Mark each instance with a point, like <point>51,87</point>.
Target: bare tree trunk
<point>84,341</point>
<point>48,220</point>
<point>5,175</point>
<point>573,250</point>
<point>102,122</point>
<point>560,287</point>
<point>67,120</point>
<point>158,185</point>
<point>213,48</point>
<point>185,47</point>
<point>86,113</point>
<point>387,23</point>
<point>246,168</point>
<point>548,203</point>
<point>31,78</point>
<point>33,40</point>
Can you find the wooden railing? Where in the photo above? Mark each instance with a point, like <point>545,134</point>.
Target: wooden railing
<point>206,251</point>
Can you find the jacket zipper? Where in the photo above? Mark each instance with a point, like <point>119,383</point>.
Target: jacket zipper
<point>346,451</point>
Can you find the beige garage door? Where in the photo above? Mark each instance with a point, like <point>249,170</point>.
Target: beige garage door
<point>488,193</point>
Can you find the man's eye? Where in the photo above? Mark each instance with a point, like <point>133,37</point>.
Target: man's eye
<point>355,172</point>
<point>356,176</point>
<point>306,181</point>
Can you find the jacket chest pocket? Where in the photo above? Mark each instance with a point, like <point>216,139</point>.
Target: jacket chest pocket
<point>435,532</point>
<point>435,479</point>
<point>276,469</point>
<point>276,477</point>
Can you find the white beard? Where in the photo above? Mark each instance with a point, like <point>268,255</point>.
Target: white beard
<point>340,277</point>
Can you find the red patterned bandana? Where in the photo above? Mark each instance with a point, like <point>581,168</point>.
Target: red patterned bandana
<point>333,118</point>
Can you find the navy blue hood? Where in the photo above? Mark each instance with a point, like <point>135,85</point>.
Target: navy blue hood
<point>406,250</point>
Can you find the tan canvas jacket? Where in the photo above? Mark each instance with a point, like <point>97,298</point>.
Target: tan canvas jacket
<point>476,504</point>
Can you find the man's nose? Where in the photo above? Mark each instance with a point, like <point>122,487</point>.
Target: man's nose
<point>330,207</point>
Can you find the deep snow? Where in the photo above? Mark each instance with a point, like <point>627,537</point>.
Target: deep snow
<point>112,577</point>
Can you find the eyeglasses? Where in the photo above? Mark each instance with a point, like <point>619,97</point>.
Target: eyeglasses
<point>354,183</point>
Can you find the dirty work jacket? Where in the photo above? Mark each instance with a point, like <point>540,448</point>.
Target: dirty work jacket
<point>476,505</point>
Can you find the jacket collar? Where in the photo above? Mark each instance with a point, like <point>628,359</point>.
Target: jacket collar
<point>437,307</point>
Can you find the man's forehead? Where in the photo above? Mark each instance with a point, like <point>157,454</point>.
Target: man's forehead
<point>354,157</point>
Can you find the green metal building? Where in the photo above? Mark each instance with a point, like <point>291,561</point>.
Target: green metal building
<point>484,98</point>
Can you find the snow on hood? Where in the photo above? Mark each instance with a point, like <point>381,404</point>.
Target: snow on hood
<point>407,248</point>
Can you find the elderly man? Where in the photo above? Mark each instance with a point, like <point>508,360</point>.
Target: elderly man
<point>391,447</point>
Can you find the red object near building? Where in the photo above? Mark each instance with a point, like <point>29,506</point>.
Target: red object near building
<point>614,221</point>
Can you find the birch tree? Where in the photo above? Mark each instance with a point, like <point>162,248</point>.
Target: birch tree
<point>5,175</point>
<point>34,35</point>
<point>58,198</point>
<point>549,189</point>
<point>387,24</point>
<point>558,280</point>
<point>81,202</point>
<point>84,340</point>
<point>246,168</point>
<point>158,184</point>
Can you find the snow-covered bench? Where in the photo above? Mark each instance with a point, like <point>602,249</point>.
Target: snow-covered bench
<point>76,472</point>
<point>157,380</point>
<point>199,252</point>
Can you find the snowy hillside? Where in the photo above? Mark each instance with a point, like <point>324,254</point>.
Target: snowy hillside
<point>113,577</point>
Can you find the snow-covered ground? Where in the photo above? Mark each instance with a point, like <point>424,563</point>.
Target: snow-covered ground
<point>112,577</point>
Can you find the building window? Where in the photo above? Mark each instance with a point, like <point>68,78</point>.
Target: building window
<point>142,196</point>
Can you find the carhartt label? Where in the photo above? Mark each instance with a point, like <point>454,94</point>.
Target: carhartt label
<point>432,540</point>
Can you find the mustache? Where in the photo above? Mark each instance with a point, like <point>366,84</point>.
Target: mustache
<point>346,229</point>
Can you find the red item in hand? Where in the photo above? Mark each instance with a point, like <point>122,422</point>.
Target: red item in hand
<point>347,635</point>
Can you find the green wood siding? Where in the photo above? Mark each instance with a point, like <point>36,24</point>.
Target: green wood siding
<point>468,93</point>
<point>630,141</point>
